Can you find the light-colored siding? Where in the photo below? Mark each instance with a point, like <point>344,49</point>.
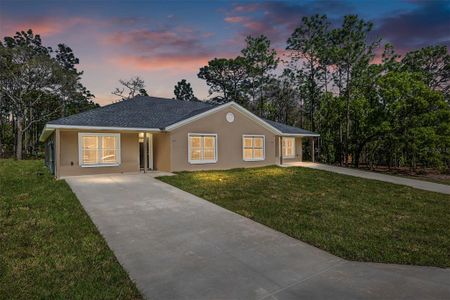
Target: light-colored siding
<point>229,142</point>
<point>68,164</point>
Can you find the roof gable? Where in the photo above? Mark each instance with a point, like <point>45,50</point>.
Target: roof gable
<point>139,112</point>
<point>152,113</point>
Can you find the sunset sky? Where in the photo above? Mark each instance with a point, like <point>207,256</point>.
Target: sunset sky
<point>166,41</point>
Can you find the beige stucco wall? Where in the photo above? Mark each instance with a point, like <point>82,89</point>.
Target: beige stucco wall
<point>161,152</point>
<point>68,155</point>
<point>229,142</point>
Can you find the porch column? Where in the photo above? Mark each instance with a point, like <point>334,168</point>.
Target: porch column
<point>312,149</point>
<point>145,152</point>
<point>57,155</point>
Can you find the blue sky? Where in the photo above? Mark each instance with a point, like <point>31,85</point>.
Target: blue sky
<point>166,41</point>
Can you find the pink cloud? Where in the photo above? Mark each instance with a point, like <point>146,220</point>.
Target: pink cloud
<point>152,63</point>
<point>44,26</point>
<point>235,19</point>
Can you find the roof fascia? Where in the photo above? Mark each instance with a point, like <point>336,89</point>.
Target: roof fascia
<point>49,128</point>
<point>301,134</point>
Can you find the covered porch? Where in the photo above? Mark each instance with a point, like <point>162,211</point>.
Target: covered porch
<point>291,149</point>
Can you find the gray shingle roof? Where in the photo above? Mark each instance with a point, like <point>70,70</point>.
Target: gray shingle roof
<point>139,112</point>
<point>151,112</point>
<point>287,129</point>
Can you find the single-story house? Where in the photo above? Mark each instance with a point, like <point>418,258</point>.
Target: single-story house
<point>149,133</point>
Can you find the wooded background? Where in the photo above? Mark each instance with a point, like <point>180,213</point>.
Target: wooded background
<point>370,105</point>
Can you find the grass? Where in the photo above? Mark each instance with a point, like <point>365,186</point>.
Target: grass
<point>354,218</point>
<point>49,248</point>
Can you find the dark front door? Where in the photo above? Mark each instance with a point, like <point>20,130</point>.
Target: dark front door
<point>141,155</point>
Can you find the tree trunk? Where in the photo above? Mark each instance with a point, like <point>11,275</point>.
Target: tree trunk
<point>340,143</point>
<point>19,137</point>
<point>1,135</point>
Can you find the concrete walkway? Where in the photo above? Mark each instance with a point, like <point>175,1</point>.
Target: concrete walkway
<point>178,246</point>
<point>418,184</point>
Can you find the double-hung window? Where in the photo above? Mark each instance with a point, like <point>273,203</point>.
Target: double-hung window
<point>288,147</point>
<point>99,149</point>
<point>253,147</point>
<point>202,148</point>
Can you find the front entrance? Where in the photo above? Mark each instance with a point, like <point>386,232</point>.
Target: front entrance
<point>145,151</point>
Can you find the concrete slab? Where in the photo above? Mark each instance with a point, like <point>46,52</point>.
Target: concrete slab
<point>177,246</point>
<point>418,184</point>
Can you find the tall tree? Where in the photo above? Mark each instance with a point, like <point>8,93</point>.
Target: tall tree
<point>351,54</point>
<point>130,88</point>
<point>308,47</point>
<point>36,85</point>
<point>225,77</point>
<point>183,91</point>
<point>418,116</point>
<point>260,60</point>
<point>433,63</point>
<point>283,96</point>
<point>28,75</point>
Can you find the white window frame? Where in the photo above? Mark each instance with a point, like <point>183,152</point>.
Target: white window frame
<point>283,147</point>
<point>209,161</point>
<point>253,148</point>
<point>100,148</point>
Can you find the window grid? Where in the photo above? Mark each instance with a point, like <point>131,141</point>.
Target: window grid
<point>288,147</point>
<point>99,149</point>
<point>202,148</point>
<point>253,147</point>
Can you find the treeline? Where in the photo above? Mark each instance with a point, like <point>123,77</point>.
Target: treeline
<point>392,111</point>
<point>37,84</point>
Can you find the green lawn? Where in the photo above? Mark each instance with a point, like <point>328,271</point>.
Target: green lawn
<point>354,218</point>
<point>49,248</point>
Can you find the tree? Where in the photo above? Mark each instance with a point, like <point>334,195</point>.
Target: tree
<point>283,97</point>
<point>183,91</point>
<point>351,54</point>
<point>130,88</point>
<point>418,116</point>
<point>36,85</point>
<point>433,63</point>
<point>308,47</point>
<point>26,78</point>
<point>260,59</point>
<point>143,92</point>
<point>225,77</point>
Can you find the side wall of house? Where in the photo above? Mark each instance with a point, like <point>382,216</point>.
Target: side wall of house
<point>68,154</point>
<point>161,152</point>
<point>229,142</point>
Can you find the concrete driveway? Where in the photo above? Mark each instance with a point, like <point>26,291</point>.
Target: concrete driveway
<point>177,246</point>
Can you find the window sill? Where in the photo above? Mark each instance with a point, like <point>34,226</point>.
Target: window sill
<point>259,159</point>
<point>289,157</point>
<point>202,162</point>
<point>99,165</point>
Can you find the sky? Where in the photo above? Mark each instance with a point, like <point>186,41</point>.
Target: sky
<point>166,41</point>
